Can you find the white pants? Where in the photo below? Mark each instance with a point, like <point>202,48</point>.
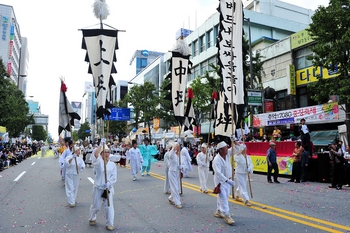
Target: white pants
<point>222,199</point>
<point>203,173</point>
<point>241,184</point>
<point>166,182</point>
<point>174,181</point>
<point>72,184</point>
<point>97,202</point>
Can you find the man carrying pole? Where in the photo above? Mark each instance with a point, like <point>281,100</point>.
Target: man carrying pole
<point>105,178</point>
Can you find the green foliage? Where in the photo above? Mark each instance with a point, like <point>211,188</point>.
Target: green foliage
<point>330,28</point>
<point>144,100</point>
<point>164,112</point>
<point>331,31</point>
<point>39,133</point>
<point>14,108</point>
<point>81,133</point>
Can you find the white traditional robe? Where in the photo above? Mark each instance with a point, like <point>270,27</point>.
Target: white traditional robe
<point>185,161</point>
<point>134,157</point>
<point>174,178</point>
<point>241,174</point>
<point>98,189</point>
<point>203,169</point>
<point>166,164</point>
<point>72,177</point>
<point>223,172</point>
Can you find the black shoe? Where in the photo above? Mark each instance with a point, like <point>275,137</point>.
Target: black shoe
<point>269,181</point>
<point>276,181</point>
<point>297,182</point>
<point>303,180</point>
<point>331,187</point>
<point>338,188</point>
<point>290,180</point>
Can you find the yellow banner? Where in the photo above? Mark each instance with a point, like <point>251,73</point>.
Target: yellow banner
<point>309,75</point>
<point>285,164</point>
<point>293,86</point>
<point>2,129</point>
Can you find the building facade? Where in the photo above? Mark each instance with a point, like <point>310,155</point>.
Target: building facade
<point>13,48</point>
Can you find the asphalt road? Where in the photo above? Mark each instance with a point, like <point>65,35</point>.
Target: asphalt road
<point>32,199</point>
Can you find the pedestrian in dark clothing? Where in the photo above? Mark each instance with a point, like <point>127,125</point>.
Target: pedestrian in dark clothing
<point>336,154</point>
<point>271,159</point>
<point>296,171</point>
<point>304,165</point>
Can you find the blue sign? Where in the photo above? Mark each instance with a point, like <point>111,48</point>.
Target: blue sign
<point>281,121</point>
<point>119,114</point>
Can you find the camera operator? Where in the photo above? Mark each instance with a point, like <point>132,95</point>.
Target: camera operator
<point>336,154</point>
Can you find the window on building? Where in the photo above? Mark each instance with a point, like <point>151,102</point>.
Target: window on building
<point>195,48</point>
<point>281,97</point>
<point>304,97</point>
<point>204,67</point>
<point>212,60</point>
<point>123,92</point>
<point>195,72</point>
<point>301,58</point>
<point>202,43</point>
<point>210,38</point>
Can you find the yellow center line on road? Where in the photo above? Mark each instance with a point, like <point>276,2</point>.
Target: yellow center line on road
<point>273,210</point>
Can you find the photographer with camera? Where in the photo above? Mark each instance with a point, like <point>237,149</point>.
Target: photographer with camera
<point>337,156</point>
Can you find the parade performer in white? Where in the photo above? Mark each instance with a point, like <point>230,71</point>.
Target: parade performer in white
<point>223,178</point>
<point>134,157</point>
<point>203,158</point>
<point>74,165</point>
<point>68,144</point>
<point>174,176</point>
<point>186,160</point>
<point>241,172</point>
<point>169,147</point>
<point>99,195</point>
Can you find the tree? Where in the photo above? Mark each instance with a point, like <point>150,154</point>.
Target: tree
<point>330,28</point>
<point>145,101</point>
<point>39,133</point>
<point>166,105</point>
<point>84,131</point>
<point>14,109</point>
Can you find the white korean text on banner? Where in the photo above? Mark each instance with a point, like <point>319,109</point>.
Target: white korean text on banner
<point>230,50</point>
<point>312,114</point>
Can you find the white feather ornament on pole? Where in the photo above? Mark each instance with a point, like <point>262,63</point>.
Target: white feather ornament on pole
<point>101,9</point>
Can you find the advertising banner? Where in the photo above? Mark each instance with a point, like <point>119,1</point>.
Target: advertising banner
<point>312,114</point>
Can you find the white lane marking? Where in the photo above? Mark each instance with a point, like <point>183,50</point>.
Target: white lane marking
<point>0,176</point>
<point>33,163</point>
<point>91,180</point>
<point>18,177</point>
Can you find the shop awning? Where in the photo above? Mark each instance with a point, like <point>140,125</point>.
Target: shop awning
<point>323,138</point>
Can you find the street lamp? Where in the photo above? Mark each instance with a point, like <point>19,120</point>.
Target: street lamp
<point>19,76</point>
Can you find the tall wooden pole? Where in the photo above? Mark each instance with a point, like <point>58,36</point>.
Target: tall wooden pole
<point>105,162</point>
<point>246,162</point>
<point>180,129</point>
<point>233,118</point>
<point>70,130</point>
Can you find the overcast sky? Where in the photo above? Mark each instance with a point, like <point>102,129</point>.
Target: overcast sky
<point>54,40</point>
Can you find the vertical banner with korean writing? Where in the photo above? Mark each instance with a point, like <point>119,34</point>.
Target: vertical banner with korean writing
<point>179,71</point>
<point>230,50</point>
<point>100,46</point>
<point>223,121</point>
